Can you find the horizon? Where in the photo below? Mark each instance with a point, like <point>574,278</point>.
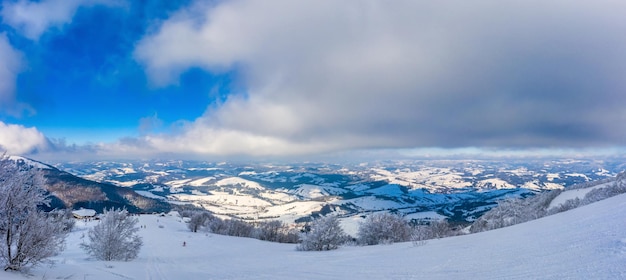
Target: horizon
<point>298,81</point>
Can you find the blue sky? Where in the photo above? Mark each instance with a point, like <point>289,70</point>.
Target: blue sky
<point>205,79</point>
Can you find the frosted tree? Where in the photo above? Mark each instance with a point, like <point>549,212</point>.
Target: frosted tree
<point>384,228</point>
<point>514,211</point>
<point>27,235</point>
<point>199,219</point>
<point>114,238</point>
<point>275,231</point>
<point>326,234</point>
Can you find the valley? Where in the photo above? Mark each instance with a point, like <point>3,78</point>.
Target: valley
<point>460,190</point>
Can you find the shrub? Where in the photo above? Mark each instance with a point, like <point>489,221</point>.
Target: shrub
<point>114,238</point>
<point>384,228</point>
<point>326,234</point>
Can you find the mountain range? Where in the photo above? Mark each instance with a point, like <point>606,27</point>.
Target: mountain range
<point>460,190</point>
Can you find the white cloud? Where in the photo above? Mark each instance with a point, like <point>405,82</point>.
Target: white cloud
<point>19,140</point>
<point>32,19</point>
<point>324,75</point>
<point>11,65</point>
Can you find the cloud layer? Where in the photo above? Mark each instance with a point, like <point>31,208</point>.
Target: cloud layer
<point>328,75</point>
<point>310,77</point>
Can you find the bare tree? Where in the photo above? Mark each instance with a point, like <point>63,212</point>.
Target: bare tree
<point>326,234</point>
<point>114,238</point>
<point>28,235</point>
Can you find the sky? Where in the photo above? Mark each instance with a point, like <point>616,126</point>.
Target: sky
<point>279,78</point>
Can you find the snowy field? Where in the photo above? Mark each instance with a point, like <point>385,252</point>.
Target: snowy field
<point>573,194</point>
<point>585,243</point>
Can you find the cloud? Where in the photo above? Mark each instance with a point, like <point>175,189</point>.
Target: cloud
<point>327,75</point>
<point>32,19</point>
<point>12,64</point>
<point>19,140</point>
<point>150,124</point>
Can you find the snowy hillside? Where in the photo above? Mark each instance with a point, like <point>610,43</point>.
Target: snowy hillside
<point>585,243</point>
<point>30,162</point>
<point>574,193</point>
<point>461,190</point>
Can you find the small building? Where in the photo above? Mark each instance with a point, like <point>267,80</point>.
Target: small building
<point>84,213</point>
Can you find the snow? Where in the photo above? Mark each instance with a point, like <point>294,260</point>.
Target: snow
<point>495,184</point>
<point>125,183</point>
<point>552,176</point>
<point>427,177</point>
<point>573,194</point>
<point>150,195</point>
<point>291,211</point>
<point>236,181</point>
<point>178,183</point>
<point>30,162</point>
<point>201,182</point>
<point>309,191</point>
<point>585,243</point>
<point>223,198</point>
<point>428,215</point>
<point>84,212</point>
<point>578,175</point>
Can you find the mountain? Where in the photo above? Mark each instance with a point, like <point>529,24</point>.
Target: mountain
<point>69,191</point>
<point>460,190</point>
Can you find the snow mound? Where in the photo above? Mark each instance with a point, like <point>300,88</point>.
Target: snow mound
<point>236,181</point>
<point>314,191</point>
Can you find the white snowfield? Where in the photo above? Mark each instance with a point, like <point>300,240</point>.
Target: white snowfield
<point>573,194</point>
<point>585,243</point>
<point>29,162</point>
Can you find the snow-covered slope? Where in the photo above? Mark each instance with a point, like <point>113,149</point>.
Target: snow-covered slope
<point>30,162</point>
<point>585,243</point>
<point>573,194</point>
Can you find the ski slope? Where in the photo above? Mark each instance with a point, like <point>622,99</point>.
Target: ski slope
<point>585,243</point>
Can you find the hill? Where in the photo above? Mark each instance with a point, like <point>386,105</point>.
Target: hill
<point>585,243</point>
<point>69,191</point>
<point>460,190</point>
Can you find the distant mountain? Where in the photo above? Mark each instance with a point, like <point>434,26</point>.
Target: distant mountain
<point>69,191</point>
<point>460,190</point>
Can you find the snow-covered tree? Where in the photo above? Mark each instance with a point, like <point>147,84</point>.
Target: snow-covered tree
<point>275,231</point>
<point>326,234</point>
<point>230,227</point>
<point>198,220</point>
<point>114,238</point>
<point>384,228</point>
<point>514,211</point>
<point>27,235</point>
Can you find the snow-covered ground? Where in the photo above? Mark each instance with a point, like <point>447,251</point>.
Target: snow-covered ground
<point>573,194</point>
<point>585,243</point>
